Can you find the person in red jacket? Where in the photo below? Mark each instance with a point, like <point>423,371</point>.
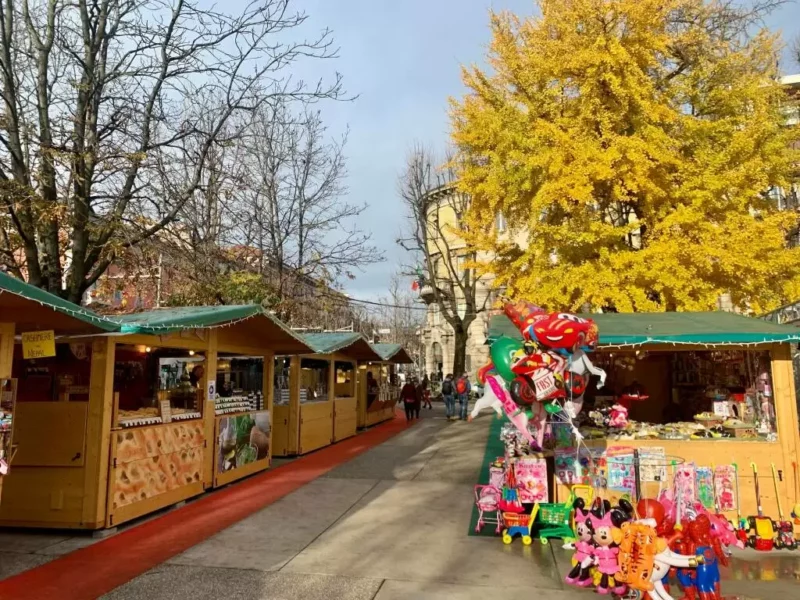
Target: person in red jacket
<point>408,396</point>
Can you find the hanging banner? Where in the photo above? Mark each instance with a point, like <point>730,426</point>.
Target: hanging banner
<point>38,344</point>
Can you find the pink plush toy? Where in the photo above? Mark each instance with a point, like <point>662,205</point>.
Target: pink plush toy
<point>618,417</point>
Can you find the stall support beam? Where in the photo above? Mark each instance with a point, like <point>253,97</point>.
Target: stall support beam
<point>6,349</point>
<point>332,394</point>
<point>294,406</point>
<point>209,414</point>
<point>785,405</point>
<point>98,431</point>
<point>268,391</point>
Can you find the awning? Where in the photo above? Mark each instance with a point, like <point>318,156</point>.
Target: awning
<point>276,335</point>
<point>352,345</point>
<point>393,353</point>
<point>702,328</point>
<point>33,309</point>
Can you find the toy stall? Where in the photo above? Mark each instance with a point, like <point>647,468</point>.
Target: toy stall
<point>161,432</point>
<point>379,386</point>
<point>38,319</point>
<point>633,424</point>
<point>315,394</point>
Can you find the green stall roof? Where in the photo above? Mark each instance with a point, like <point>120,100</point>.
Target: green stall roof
<point>260,323</point>
<point>32,308</point>
<point>633,329</point>
<point>353,345</point>
<point>393,353</point>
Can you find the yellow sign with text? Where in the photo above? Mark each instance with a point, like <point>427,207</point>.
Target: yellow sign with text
<point>38,344</point>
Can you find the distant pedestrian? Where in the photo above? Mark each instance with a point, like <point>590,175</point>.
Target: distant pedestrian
<point>463,388</point>
<point>408,395</point>
<point>448,395</point>
<point>426,393</point>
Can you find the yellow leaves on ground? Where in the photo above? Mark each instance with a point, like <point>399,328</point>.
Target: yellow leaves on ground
<point>634,141</point>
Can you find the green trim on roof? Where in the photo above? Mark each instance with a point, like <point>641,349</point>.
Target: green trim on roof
<point>392,353</point>
<point>351,344</point>
<point>12,285</point>
<point>330,342</point>
<point>629,329</point>
<point>168,320</point>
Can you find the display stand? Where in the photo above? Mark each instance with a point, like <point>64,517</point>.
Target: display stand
<point>102,466</point>
<point>726,451</point>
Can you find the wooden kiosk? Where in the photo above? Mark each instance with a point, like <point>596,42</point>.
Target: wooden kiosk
<point>377,404</point>
<point>696,369</point>
<point>24,309</point>
<point>316,394</point>
<point>149,429</point>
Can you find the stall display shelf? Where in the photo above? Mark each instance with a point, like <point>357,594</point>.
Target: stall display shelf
<point>186,416</point>
<point>232,409</point>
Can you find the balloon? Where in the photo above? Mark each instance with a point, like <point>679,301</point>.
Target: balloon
<point>503,352</point>
<point>522,392</point>
<point>523,314</point>
<point>565,331</point>
<point>651,509</point>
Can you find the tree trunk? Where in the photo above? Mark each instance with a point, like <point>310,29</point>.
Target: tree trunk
<point>459,350</point>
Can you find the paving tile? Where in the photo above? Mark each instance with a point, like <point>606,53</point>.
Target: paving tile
<point>12,563</point>
<point>25,542</point>
<point>203,583</point>
<point>417,590</point>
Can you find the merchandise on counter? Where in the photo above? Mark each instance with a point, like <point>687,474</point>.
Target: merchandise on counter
<point>531,478</point>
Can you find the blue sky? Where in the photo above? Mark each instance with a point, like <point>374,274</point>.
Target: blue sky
<point>403,58</point>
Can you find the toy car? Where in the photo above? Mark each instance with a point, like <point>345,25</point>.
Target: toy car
<point>761,534</point>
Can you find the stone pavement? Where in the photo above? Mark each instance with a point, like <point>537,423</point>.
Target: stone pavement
<point>390,524</point>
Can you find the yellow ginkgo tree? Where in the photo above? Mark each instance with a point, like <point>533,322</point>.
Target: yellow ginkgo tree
<point>631,146</point>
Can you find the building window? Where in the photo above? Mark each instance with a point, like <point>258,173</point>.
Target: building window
<point>468,363</point>
<point>500,223</point>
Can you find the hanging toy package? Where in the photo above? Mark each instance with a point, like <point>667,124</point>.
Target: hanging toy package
<point>725,487</point>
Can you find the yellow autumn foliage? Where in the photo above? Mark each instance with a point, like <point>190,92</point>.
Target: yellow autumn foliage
<point>631,143</point>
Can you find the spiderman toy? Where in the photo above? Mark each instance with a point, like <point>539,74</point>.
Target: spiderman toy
<point>703,582</point>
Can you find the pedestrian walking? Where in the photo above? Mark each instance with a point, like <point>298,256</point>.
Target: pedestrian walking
<point>448,395</point>
<point>426,393</point>
<point>463,388</point>
<point>408,395</point>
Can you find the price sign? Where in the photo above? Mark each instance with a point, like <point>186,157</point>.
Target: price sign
<point>38,344</point>
<point>166,411</point>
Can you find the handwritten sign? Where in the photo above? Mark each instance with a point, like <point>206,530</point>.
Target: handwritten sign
<point>166,411</point>
<point>38,344</point>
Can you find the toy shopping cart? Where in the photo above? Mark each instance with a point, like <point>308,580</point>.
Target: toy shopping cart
<point>555,519</point>
<point>519,524</point>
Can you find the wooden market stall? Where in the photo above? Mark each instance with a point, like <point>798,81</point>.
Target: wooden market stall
<point>25,310</point>
<point>379,387</point>
<point>316,394</point>
<point>162,432</point>
<point>704,390</point>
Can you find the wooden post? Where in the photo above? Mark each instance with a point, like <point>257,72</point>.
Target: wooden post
<point>783,391</point>
<point>332,394</point>
<point>209,416</point>
<point>268,391</point>
<point>6,349</point>
<point>294,406</point>
<point>98,432</point>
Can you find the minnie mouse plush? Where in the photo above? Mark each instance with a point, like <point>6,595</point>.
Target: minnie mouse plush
<point>604,523</point>
<point>580,574</point>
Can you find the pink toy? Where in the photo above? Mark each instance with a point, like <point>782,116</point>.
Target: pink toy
<point>606,535</point>
<point>487,499</point>
<point>514,413</point>
<point>580,574</point>
<point>531,475</point>
<point>618,417</point>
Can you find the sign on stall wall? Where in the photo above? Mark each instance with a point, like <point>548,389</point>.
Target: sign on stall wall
<point>211,391</point>
<point>165,411</point>
<point>38,344</point>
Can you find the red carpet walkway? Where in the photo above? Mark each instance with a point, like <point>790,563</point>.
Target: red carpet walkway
<point>89,573</point>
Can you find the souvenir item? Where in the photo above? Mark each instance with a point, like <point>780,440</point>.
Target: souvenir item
<point>531,476</point>
<point>724,478</point>
<point>705,487</point>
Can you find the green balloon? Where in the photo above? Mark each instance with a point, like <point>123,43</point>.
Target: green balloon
<point>552,408</point>
<point>501,352</point>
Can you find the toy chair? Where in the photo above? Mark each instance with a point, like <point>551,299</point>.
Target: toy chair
<point>487,499</point>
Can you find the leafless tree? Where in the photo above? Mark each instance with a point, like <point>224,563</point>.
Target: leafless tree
<point>400,313</point>
<point>444,264</point>
<point>292,201</point>
<point>113,109</point>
